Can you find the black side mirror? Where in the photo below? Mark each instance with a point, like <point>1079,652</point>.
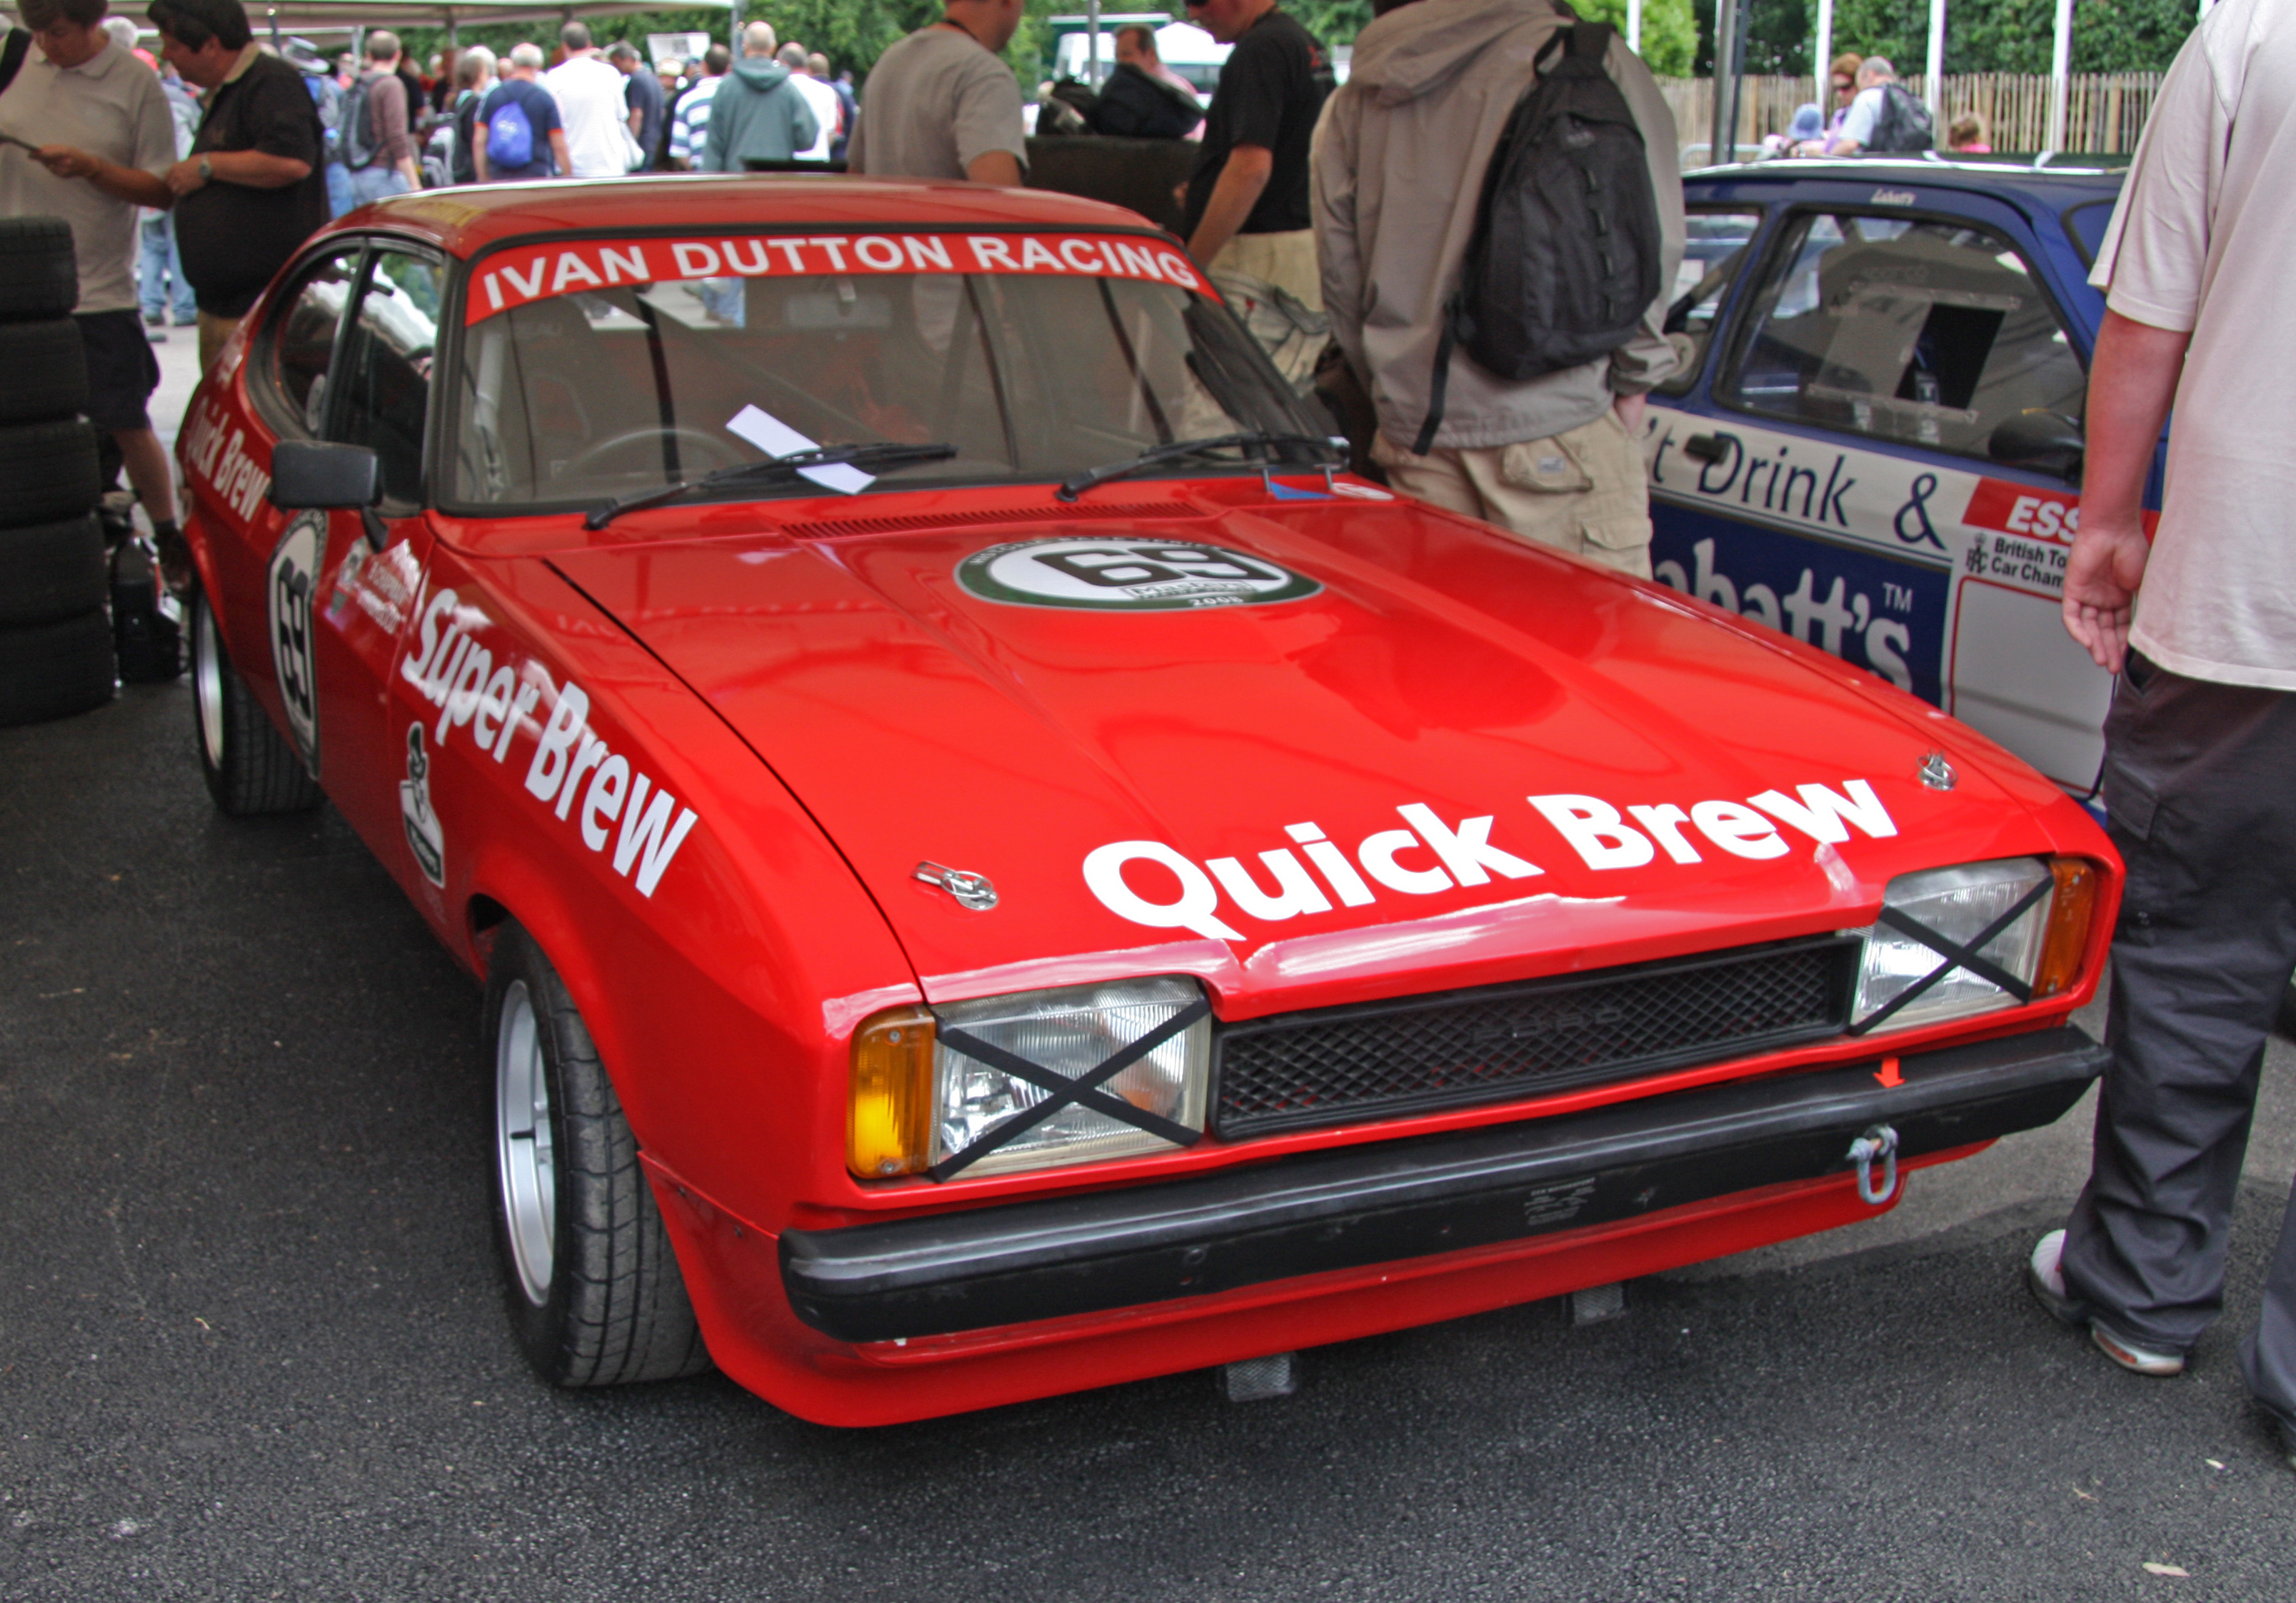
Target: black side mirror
<point>2047,442</point>
<point>310,475</point>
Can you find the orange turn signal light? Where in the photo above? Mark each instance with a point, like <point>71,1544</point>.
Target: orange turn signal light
<point>2071,908</point>
<point>888,1126</point>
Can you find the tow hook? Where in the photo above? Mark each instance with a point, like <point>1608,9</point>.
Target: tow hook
<point>1879,1141</point>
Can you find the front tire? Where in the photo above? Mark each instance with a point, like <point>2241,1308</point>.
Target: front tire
<point>593,1290</point>
<point>247,764</point>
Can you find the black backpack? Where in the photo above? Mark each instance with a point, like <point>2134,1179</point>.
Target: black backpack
<point>1564,258</point>
<point>358,143</point>
<point>1904,123</point>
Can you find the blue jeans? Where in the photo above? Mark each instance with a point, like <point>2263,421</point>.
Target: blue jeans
<point>338,189</point>
<point>160,274</point>
<point>377,183</point>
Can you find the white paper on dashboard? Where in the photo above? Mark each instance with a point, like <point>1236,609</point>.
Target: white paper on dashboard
<point>775,438</point>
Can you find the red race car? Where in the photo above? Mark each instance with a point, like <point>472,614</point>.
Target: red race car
<point>999,869</point>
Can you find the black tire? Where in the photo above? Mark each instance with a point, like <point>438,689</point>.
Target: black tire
<point>251,767</point>
<point>594,1289</point>
<point>47,471</point>
<point>39,276</point>
<point>50,571</point>
<point>42,370</point>
<point>54,670</point>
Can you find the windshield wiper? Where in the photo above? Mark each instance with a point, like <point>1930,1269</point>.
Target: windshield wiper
<point>1327,449</point>
<point>881,453</point>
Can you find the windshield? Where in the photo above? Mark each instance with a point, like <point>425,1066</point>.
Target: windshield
<point>588,373</point>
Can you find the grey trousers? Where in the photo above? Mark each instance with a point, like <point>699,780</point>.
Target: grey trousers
<point>2200,784</point>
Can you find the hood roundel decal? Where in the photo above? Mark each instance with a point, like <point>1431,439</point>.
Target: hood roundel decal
<point>1127,575</point>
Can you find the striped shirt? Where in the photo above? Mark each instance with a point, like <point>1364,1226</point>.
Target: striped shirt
<point>689,124</point>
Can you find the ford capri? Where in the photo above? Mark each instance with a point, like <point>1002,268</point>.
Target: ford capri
<point>997,868</point>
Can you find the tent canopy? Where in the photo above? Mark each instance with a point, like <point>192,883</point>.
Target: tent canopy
<point>299,16</point>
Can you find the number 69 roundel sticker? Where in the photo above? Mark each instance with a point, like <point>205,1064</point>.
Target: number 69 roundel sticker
<point>294,575</point>
<point>1127,575</point>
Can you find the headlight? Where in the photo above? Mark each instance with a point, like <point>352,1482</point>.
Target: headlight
<point>929,1086</point>
<point>2046,905</point>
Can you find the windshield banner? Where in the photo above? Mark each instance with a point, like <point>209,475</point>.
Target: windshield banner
<point>527,273</point>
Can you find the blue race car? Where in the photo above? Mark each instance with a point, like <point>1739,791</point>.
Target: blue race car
<point>1875,445</point>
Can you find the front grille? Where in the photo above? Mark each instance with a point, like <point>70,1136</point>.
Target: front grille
<point>1331,1066</point>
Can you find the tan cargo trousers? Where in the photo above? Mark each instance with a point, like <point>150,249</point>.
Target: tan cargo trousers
<point>1583,491</point>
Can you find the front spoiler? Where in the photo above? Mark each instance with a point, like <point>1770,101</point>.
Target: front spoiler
<point>1357,1206</point>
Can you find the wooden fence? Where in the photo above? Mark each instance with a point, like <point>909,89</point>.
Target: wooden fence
<point>2104,112</point>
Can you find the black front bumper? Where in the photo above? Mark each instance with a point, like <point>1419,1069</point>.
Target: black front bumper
<point>1392,1200</point>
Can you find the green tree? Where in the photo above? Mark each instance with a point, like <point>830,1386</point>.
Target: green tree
<point>1669,33</point>
<point>2017,36</point>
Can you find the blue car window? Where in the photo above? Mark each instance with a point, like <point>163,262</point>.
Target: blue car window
<point>1924,332</point>
<point>1712,258</point>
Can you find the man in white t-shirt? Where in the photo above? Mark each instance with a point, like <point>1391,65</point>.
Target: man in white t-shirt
<point>822,100</point>
<point>2200,621</point>
<point>590,104</point>
<point>104,141</point>
<point>941,104</point>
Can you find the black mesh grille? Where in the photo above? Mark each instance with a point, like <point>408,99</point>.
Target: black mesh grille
<point>1336,1064</point>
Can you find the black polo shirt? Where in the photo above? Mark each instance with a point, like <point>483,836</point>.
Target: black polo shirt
<point>1270,93</point>
<point>234,238</point>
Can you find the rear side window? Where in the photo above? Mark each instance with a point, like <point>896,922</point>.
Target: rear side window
<point>385,380</point>
<point>303,339</point>
<point>1712,258</point>
<point>1904,329</point>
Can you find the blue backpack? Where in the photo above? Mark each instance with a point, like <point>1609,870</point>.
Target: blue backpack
<point>510,136</point>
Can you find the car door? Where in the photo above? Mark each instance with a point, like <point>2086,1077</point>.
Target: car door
<point>367,574</point>
<point>1829,472</point>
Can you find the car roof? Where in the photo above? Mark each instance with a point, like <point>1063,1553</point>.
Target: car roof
<point>462,221</point>
<point>2052,188</point>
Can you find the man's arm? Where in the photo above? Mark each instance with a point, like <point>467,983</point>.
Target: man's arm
<point>1237,190</point>
<point>989,167</point>
<point>479,148</point>
<point>560,154</point>
<point>127,184</point>
<point>2132,381</point>
<point>1338,249</point>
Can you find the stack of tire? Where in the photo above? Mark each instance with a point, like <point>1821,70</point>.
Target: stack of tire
<point>55,635</point>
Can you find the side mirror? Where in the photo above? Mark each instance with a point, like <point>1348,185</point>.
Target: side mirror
<point>2047,442</point>
<point>309,475</point>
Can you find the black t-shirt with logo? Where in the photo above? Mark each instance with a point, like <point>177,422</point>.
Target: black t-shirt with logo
<point>233,237</point>
<point>1270,93</point>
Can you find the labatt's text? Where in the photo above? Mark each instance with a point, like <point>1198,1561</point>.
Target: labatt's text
<point>458,676</point>
<point>1442,856</point>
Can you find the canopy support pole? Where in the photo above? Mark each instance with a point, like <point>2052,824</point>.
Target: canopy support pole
<point>1823,66</point>
<point>1729,47</point>
<point>2061,60</point>
<point>1634,26</point>
<point>1935,87</point>
<point>1092,43</point>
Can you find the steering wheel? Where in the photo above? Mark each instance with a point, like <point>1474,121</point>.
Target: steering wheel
<point>716,452</point>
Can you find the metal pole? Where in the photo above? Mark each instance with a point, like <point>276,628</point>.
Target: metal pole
<point>1092,43</point>
<point>1824,63</point>
<point>1934,90</point>
<point>2061,61</point>
<point>1729,31</point>
<point>1634,26</point>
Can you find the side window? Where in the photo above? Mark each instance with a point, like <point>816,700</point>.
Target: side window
<point>1711,260</point>
<point>303,337</point>
<point>1904,329</point>
<point>385,368</point>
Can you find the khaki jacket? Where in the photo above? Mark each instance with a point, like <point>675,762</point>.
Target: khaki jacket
<point>1397,170</point>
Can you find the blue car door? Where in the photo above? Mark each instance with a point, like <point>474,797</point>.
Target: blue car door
<point>1823,466</point>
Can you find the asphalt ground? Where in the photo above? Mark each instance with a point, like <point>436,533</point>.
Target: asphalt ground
<point>252,1344</point>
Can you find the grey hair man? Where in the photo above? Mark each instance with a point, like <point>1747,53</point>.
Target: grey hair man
<point>1884,117</point>
<point>820,99</point>
<point>520,114</point>
<point>649,107</point>
<point>756,114</point>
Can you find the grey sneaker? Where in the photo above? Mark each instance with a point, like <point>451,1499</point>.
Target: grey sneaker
<point>2045,1278</point>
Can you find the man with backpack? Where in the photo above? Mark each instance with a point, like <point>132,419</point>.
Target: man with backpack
<point>378,140</point>
<point>518,134</point>
<point>1507,330</point>
<point>1885,118</point>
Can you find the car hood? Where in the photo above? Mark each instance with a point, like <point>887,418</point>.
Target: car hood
<point>1406,673</point>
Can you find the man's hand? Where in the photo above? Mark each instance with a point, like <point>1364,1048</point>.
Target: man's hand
<point>66,161</point>
<point>184,177</point>
<point>1631,410</point>
<point>2100,581</point>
